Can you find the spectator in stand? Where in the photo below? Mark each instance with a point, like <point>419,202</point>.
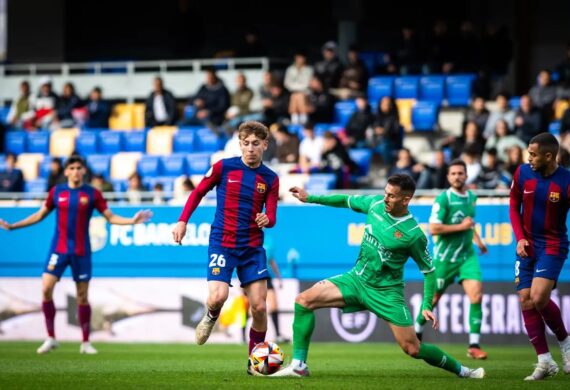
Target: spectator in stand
<point>330,69</point>
<point>527,120</point>
<point>471,137</point>
<point>502,141</point>
<point>320,103</point>
<point>11,179</point>
<point>472,159</point>
<point>310,150</point>
<point>438,171</point>
<point>211,101</point>
<point>21,112</point>
<point>563,70</point>
<point>98,181</point>
<point>563,158</point>
<point>276,107</point>
<point>543,95</point>
<point>514,159</point>
<point>56,175</point>
<point>297,79</point>
<point>66,104</point>
<point>135,189</point>
<point>160,107</point>
<point>358,124</point>
<point>266,83</point>
<point>287,144</point>
<point>354,79</point>
<point>441,54</point>
<point>158,195</point>
<point>98,110</point>
<point>335,159</point>
<point>232,147</point>
<point>491,176</point>
<point>406,56</point>
<point>406,164</point>
<point>241,99</point>
<point>477,113</point>
<point>565,122</point>
<point>387,135</point>
<point>503,111</point>
<point>45,104</point>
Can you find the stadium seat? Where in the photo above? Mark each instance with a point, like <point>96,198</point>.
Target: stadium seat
<point>432,88</point>
<point>134,141</point>
<point>560,107</point>
<point>119,185</point>
<point>159,140</point>
<point>424,115</point>
<point>138,110</point>
<point>62,142</point>
<point>458,89</point>
<point>36,186</point>
<point>189,111</point>
<point>406,87</point>
<point>29,164</point>
<point>149,166</point>
<point>15,142</point>
<point>554,128</point>
<point>45,167</point>
<point>86,143</point>
<point>184,141</point>
<point>207,141</point>
<point>363,158</point>
<point>127,117</point>
<point>38,142</point>
<point>198,163</point>
<point>174,165</point>
<point>110,142</point>
<point>515,102</point>
<point>100,164</point>
<point>378,87</point>
<point>321,182</point>
<point>405,112</point>
<point>343,111</point>
<point>166,181</point>
<point>124,164</point>
<point>4,111</point>
<point>320,128</point>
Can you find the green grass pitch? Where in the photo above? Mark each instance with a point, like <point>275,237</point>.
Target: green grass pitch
<point>333,365</point>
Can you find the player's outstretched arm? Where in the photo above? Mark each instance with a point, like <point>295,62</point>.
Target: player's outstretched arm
<point>28,221</point>
<point>325,200</point>
<point>140,217</point>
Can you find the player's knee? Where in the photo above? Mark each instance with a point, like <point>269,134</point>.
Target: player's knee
<point>539,301</point>
<point>411,349</point>
<point>303,300</point>
<point>82,298</point>
<point>47,293</point>
<point>476,297</point>
<point>258,309</point>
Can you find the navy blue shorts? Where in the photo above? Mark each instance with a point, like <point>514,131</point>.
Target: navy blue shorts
<point>538,266</point>
<point>251,264</point>
<point>80,266</point>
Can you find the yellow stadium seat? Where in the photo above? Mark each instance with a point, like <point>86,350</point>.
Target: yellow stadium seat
<point>138,115</point>
<point>124,164</point>
<point>121,117</point>
<point>405,112</point>
<point>29,164</point>
<point>62,142</point>
<point>561,106</point>
<point>159,140</point>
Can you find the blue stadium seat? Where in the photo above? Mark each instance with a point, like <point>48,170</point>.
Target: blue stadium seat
<point>100,164</point>
<point>378,87</point>
<point>343,111</point>
<point>184,141</point>
<point>166,181</point>
<point>320,128</point>
<point>321,182</point>
<point>35,186</point>
<point>424,115</point>
<point>515,102</point>
<point>2,162</point>
<point>406,87</point>
<point>15,142</point>
<point>189,112</point>
<point>207,141</point>
<point>120,185</point>
<point>134,141</point>
<point>149,166</point>
<point>554,128</point>
<point>363,158</point>
<point>295,129</point>
<point>45,167</point>
<point>432,88</point>
<point>110,142</point>
<point>4,111</point>
<point>38,142</point>
<point>458,89</point>
<point>86,143</point>
<point>174,165</point>
<point>198,163</point>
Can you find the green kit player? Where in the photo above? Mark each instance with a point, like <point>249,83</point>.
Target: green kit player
<point>454,256</point>
<point>375,283</point>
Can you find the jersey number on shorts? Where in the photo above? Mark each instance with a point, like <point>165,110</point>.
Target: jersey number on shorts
<point>217,260</point>
<point>517,265</point>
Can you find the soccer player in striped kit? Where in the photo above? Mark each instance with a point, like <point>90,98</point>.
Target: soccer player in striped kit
<point>540,198</point>
<point>243,187</point>
<point>74,203</point>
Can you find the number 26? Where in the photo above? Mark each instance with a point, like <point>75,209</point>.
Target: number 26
<point>217,260</point>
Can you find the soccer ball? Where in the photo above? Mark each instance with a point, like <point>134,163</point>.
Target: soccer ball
<point>266,358</point>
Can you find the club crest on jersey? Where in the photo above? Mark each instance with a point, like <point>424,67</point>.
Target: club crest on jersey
<point>261,188</point>
<point>398,234</point>
<point>554,196</point>
<point>215,271</point>
<point>84,200</point>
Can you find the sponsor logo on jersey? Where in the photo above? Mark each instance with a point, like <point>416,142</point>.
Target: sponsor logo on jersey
<point>215,271</point>
<point>554,196</point>
<point>398,234</point>
<point>261,188</point>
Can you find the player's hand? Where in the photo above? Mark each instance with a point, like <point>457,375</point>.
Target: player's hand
<point>483,248</point>
<point>179,232</point>
<point>261,220</point>
<point>521,248</point>
<point>5,225</point>
<point>429,316</point>
<point>142,216</point>
<point>467,223</point>
<point>299,193</point>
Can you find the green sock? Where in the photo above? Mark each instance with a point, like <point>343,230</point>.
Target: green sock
<point>434,356</point>
<point>420,319</point>
<point>303,326</point>
<point>475,317</point>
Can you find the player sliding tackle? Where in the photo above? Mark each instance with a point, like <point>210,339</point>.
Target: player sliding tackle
<point>391,235</point>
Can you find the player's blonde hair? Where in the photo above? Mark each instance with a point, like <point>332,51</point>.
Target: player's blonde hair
<point>253,127</point>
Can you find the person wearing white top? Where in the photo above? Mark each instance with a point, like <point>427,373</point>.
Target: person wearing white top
<point>310,150</point>
<point>297,79</point>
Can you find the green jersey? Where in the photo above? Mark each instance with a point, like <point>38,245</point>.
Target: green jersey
<point>451,208</point>
<point>387,244</point>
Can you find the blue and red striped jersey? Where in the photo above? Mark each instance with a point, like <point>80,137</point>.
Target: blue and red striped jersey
<point>74,208</point>
<point>241,193</point>
<point>538,209</point>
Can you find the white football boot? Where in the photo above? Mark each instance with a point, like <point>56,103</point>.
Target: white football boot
<point>48,345</point>
<point>476,373</point>
<point>87,348</point>
<point>543,371</point>
<point>204,329</point>
<point>292,371</point>
<point>566,360</point>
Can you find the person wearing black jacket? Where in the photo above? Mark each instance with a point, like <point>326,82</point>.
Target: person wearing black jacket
<point>212,100</point>
<point>335,159</point>
<point>358,123</point>
<point>387,136</point>
<point>160,106</point>
<point>98,110</point>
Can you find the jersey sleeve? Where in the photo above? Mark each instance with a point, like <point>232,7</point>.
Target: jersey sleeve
<point>515,202</point>
<point>439,209</point>
<point>100,203</point>
<point>271,203</point>
<point>50,203</point>
<point>209,181</point>
<point>362,203</point>
<point>420,253</point>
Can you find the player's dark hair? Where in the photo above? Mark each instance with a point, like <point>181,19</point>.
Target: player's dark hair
<point>547,143</point>
<point>457,162</point>
<point>253,127</point>
<point>75,158</point>
<point>405,182</point>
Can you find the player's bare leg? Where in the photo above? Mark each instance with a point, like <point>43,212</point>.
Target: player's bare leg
<point>48,285</point>
<point>84,317</point>
<point>217,296</point>
<point>474,291</point>
<point>406,338</point>
<point>322,294</point>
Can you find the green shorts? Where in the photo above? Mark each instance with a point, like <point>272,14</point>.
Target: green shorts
<point>388,304</point>
<point>446,272</point>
